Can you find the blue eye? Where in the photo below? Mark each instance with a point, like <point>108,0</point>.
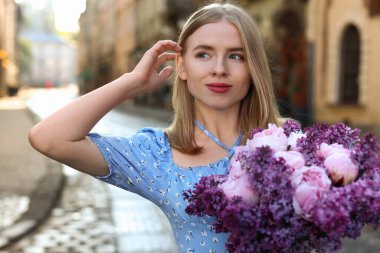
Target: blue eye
<point>237,57</point>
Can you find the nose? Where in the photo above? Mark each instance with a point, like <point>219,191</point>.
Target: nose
<point>219,69</point>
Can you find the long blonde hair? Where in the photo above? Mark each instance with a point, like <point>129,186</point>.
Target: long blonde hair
<point>257,109</point>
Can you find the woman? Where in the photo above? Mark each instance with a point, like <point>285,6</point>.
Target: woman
<point>223,84</point>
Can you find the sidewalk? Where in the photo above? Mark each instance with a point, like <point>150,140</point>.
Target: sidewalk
<point>30,183</point>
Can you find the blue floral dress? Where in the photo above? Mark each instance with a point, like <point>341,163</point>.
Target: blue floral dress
<point>143,164</point>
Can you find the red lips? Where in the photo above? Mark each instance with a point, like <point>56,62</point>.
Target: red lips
<point>219,87</point>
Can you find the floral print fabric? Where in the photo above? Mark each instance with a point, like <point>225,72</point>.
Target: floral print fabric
<point>143,164</point>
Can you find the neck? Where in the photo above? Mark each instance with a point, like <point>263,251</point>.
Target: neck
<point>221,123</point>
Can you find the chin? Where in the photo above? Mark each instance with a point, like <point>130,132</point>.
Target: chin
<point>219,104</point>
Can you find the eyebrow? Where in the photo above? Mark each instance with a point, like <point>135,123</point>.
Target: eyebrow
<point>207,47</point>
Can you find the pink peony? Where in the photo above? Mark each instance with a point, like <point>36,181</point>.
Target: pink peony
<point>273,137</point>
<point>235,168</point>
<point>240,187</point>
<point>309,184</point>
<point>341,168</point>
<point>326,150</point>
<point>293,158</point>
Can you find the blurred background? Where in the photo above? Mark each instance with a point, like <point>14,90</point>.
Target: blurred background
<point>325,60</point>
<point>323,53</point>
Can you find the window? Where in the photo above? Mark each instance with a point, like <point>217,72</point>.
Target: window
<point>349,66</point>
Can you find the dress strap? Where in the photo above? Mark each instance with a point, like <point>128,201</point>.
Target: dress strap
<point>217,141</point>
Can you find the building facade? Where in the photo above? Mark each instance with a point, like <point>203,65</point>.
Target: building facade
<point>52,60</point>
<point>282,24</point>
<point>125,41</point>
<point>115,33</point>
<point>344,38</point>
<point>96,44</point>
<point>8,58</point>
<point>87,47</point>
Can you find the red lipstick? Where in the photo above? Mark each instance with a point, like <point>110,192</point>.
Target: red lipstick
<point>219,87</point>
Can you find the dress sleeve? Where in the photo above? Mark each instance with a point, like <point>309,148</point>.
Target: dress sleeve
<point>136,163</point>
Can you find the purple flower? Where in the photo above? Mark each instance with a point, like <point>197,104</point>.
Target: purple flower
<point>291,126</point>
<point>293,140</point>
<point>255,131</point>
<point>289,191</point>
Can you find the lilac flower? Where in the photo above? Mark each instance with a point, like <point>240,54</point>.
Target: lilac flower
<point>291,126</point>
<point>255,131</point>
<point>293,140</point>
<point>365,155</point>
<point>283,201</point>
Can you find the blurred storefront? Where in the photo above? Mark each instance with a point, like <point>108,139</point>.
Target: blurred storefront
<point>282,24</point>
<point>344,38</point>
<point>8,32</point>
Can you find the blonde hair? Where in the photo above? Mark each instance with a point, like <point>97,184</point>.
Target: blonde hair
<point>257,109</point>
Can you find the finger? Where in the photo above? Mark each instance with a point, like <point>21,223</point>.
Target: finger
<point>169,45</point>
<point>164,46</point>
<point>164,58</point>
<point>150,57</point>
<point>165,73</point>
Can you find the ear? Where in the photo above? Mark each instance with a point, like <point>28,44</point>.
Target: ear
<point>180,65</point>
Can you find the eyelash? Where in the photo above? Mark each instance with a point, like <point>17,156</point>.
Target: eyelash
<point>203,55</point>
<point>240,56</point>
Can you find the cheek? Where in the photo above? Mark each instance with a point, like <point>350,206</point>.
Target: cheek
<point>191,86</point>
<point>245,79</point>
<point>196,70</point>
<point>245,87</point>
<point>196,75</point>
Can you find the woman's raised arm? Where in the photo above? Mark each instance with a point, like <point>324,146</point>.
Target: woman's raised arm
<point>62,135</point>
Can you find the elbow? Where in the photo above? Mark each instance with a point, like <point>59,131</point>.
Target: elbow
<point>39,141</point>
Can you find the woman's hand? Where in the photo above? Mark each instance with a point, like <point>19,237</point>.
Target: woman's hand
<point>148,73</point>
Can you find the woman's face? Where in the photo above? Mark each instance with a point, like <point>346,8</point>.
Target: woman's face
<point>215,67</point>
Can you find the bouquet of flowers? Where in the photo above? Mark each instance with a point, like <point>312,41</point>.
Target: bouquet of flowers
<point>292,191</point>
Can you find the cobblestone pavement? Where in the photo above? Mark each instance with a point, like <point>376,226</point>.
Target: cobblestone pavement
<point>81,222</point>
<point>12,206</point>
<point>141,226</point>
